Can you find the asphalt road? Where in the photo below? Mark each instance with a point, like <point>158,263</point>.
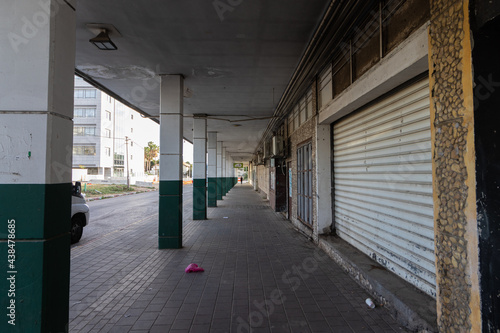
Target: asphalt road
<point>112,214</point>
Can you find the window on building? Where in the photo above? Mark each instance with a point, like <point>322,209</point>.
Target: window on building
<point>84,150</point>
<point>131,143</point>
<point>131,157</point>
<point>304,183</point>
<point>85,112</point>
<point>108,151</point>
<point>107,133</point>
<point>131,130</point>
<point>119,160</point>
<point>85,93</point>
<point>108,115</point>
<point>132,116</point>
<point>92,171</point>
<point>84,130</point>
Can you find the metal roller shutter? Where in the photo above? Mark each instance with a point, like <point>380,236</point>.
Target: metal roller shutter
<point>383,184</point>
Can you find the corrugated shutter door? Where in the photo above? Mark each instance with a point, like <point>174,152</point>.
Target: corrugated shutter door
<point>383,184</point>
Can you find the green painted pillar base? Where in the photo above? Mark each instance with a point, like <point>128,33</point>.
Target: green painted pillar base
<point>199,199</point>
<point>35,243</point>
<point>212,192</point>
<point>219,188</point>
<point>224,181</point>
<point>170,215</point>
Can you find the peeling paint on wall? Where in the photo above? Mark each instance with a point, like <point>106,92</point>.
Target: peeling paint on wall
<point>117,73</point>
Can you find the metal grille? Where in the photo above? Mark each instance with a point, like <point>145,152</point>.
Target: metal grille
<point>383,184</point>
<point>304,183</point>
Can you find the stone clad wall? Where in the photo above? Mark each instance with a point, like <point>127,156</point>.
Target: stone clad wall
<point>452,125</point>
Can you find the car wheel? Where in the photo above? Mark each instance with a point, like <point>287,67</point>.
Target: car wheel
<point>76,228</point>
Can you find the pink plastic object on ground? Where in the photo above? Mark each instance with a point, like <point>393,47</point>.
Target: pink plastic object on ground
<point>193,268</point>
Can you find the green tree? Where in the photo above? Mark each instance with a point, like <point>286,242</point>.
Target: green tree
<point>150,153</point>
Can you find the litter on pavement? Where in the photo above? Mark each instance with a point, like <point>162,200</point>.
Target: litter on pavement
<point>193,268</point>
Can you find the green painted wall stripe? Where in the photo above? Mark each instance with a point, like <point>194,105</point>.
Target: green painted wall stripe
<point>169,243</point>
<point>170,187</point>
<point>219,188</point>
<point>212,192</point>
<point>199,203</point>
<point>199,182</point>
<point>41,210</point>
<point>170,215</point>
<point>42,285</point>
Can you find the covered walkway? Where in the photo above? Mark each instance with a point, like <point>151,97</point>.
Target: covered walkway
<point>260,275</point>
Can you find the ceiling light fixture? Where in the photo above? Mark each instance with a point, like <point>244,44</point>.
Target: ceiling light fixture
<point>103,42</point>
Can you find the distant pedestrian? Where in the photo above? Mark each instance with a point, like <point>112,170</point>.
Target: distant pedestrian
<point>241,180</point>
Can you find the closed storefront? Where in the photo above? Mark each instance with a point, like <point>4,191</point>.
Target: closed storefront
<point>383,183</point>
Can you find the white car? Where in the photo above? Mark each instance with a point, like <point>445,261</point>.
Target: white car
<point>79,213</point>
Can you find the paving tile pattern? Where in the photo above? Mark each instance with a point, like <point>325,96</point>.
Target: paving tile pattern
<point>260,275</point>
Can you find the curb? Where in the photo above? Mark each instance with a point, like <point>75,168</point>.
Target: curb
<point>116,195</point>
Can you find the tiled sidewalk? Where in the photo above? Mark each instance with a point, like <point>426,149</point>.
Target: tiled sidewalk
<point>260,276</point>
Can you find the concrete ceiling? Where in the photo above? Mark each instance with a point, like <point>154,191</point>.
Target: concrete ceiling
<point>237,57</point>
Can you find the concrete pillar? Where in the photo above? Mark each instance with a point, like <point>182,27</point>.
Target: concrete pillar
<point>212,169</point>
<point>36,140</point>
<point>199,168</point>
<point>219,170</point>
<point>256,178</point>
<point>233,173</point>
<point>171,121</point>
<point>453,167</point>
<point>323,182</point>
<point>229,173</point>
<point>224,171</point>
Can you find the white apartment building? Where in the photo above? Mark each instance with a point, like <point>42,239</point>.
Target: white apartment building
<point>103,128</point>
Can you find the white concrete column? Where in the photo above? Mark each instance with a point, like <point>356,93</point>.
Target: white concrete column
<point>37,62</point>
<point>256,178</point>
<point>229,173</point>
<point>199,168</point>
<point>171,135</point>
<point>323,181</point>
<point>212,169</point>
<point>219,170</point>
<point>232,173</point>
<point>224,171</point>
